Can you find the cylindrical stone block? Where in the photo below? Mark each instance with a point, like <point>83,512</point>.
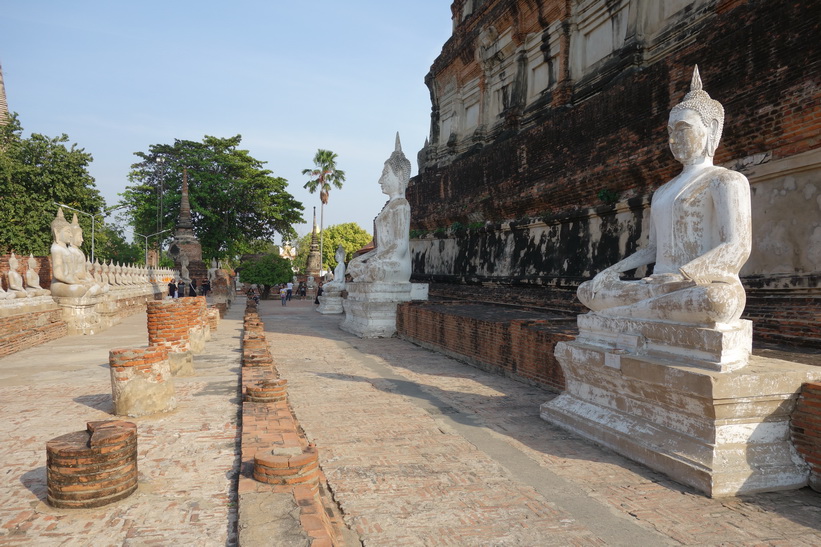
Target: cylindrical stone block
<point>94,467</point>
<point>141,381</point>
<point>267,391</point>
<point>288,467</point>
<point>213,318</point>
<point>255,352</point>
<point>168,325</point>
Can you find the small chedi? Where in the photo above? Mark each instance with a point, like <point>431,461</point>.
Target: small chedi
<point>661,370</point>
<point>381,277</point>
<point>331,300</point>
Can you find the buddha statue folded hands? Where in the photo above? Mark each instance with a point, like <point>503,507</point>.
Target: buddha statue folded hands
<point>69,278</point>
<point>699,233</point>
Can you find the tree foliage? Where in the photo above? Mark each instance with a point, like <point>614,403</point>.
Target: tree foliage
<point>350,235</point>
<point>324,174</point>
<point>35,172</point>
<point>236,204</point>
<point>267,270</point>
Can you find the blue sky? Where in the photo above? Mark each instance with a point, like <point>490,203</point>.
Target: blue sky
<point>290,77</point>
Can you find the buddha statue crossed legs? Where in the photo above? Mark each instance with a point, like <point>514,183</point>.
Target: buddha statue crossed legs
<point>700,233</point>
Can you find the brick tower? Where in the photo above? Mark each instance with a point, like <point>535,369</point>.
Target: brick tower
<point>185,240</point>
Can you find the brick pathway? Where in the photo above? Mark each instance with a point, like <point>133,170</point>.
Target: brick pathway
<point>422,450</point>
<point>188,458</point>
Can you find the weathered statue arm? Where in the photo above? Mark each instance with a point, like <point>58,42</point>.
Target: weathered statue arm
<point>731,201</point>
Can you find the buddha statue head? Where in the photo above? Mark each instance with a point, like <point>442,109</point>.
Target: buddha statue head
<point>695,124</point>
<point>60,228</point>
<point>396,173</point>
<point>76,232</point>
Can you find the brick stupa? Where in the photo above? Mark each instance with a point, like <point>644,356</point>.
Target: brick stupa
<point>185,240</point>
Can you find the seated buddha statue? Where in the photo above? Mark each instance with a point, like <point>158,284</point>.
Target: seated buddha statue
<point>15,279</point>
<point>389,261</point>
<point>699,234</point>
<point>33,280</point>
<point>337,285</point>
<point>63,264</point>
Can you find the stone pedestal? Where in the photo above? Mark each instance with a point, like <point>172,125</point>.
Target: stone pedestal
<point>695,408</point>
<point>330,303</point>
<point>141,381</point>
<point>81,314</point>
<point>370,308</point>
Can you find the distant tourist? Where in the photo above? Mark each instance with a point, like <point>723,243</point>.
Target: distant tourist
<point>283,294</point>
<point>172,289</point>
<point>180,289</point>
<point>192,291</point>
<point>318,293</point>
<point>206,287</point>
<point>290,287</point>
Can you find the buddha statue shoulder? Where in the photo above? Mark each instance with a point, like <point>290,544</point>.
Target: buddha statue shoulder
<point>699,234</point>
<point>390,260</point>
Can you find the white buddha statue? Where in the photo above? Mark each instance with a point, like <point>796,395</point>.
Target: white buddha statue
<point>63,264</point>
<point>333,288</point>
<point>700,233</point>
<point>33,280</point>
<point>15,280</point>
<point>390,261</point>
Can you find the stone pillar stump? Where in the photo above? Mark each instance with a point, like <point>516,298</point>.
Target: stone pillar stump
<point>141,381</point>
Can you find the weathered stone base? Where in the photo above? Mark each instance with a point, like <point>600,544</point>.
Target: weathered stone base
<point>181,363</point>
<point>723,433</point>
<point>370,308</point>
<point>141,381</point>
<point>330,304</point>
<point>94,314</point>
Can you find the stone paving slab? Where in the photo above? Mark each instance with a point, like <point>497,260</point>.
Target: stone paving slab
<point>420,449</point>
<point>188,458</point>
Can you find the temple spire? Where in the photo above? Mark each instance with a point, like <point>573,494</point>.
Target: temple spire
<point>4,105</point>
<point>184,220</point>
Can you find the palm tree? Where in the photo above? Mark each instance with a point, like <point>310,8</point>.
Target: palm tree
<point>323,176</point>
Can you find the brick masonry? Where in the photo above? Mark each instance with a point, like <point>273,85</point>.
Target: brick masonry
<point>141,381</point>
<point>276,456</point>
<point>513,341</point>
<point>94,467</point>
<point>26,330</point>
<point>805,427</point>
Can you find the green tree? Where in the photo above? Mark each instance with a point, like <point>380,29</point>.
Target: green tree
<point>266,270</point>
<point>350,235</point>
<point>236,204</point>
<point>35,172</point>
<point>323,175</point>
<point>112,245</point>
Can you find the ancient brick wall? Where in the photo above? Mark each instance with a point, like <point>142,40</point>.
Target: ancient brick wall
<point>27,330</point>
<point>552,190</point>
<point>522,348</point>
<point>805,430</point>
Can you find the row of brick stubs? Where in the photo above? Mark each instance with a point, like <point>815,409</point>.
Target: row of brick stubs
<point>213,315</point>
<point>255,352</point>
<point>276,455</point>
<point>94,467</point>
<point>805,430</point>
<point>141,381</point>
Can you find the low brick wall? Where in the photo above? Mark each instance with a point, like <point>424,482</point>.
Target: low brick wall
<point>27,330</point>
<point>141,381</point>
<point>805,429</point>
<point>94,467</point>
<point>512,341</point>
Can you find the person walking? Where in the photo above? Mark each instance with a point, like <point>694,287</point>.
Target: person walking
<point>283,294</point>
<point>172,289</point>
<point>290,287</point>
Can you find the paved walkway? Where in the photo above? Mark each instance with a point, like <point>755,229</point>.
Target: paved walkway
<point>418,449</point>
<point>188,459</point>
